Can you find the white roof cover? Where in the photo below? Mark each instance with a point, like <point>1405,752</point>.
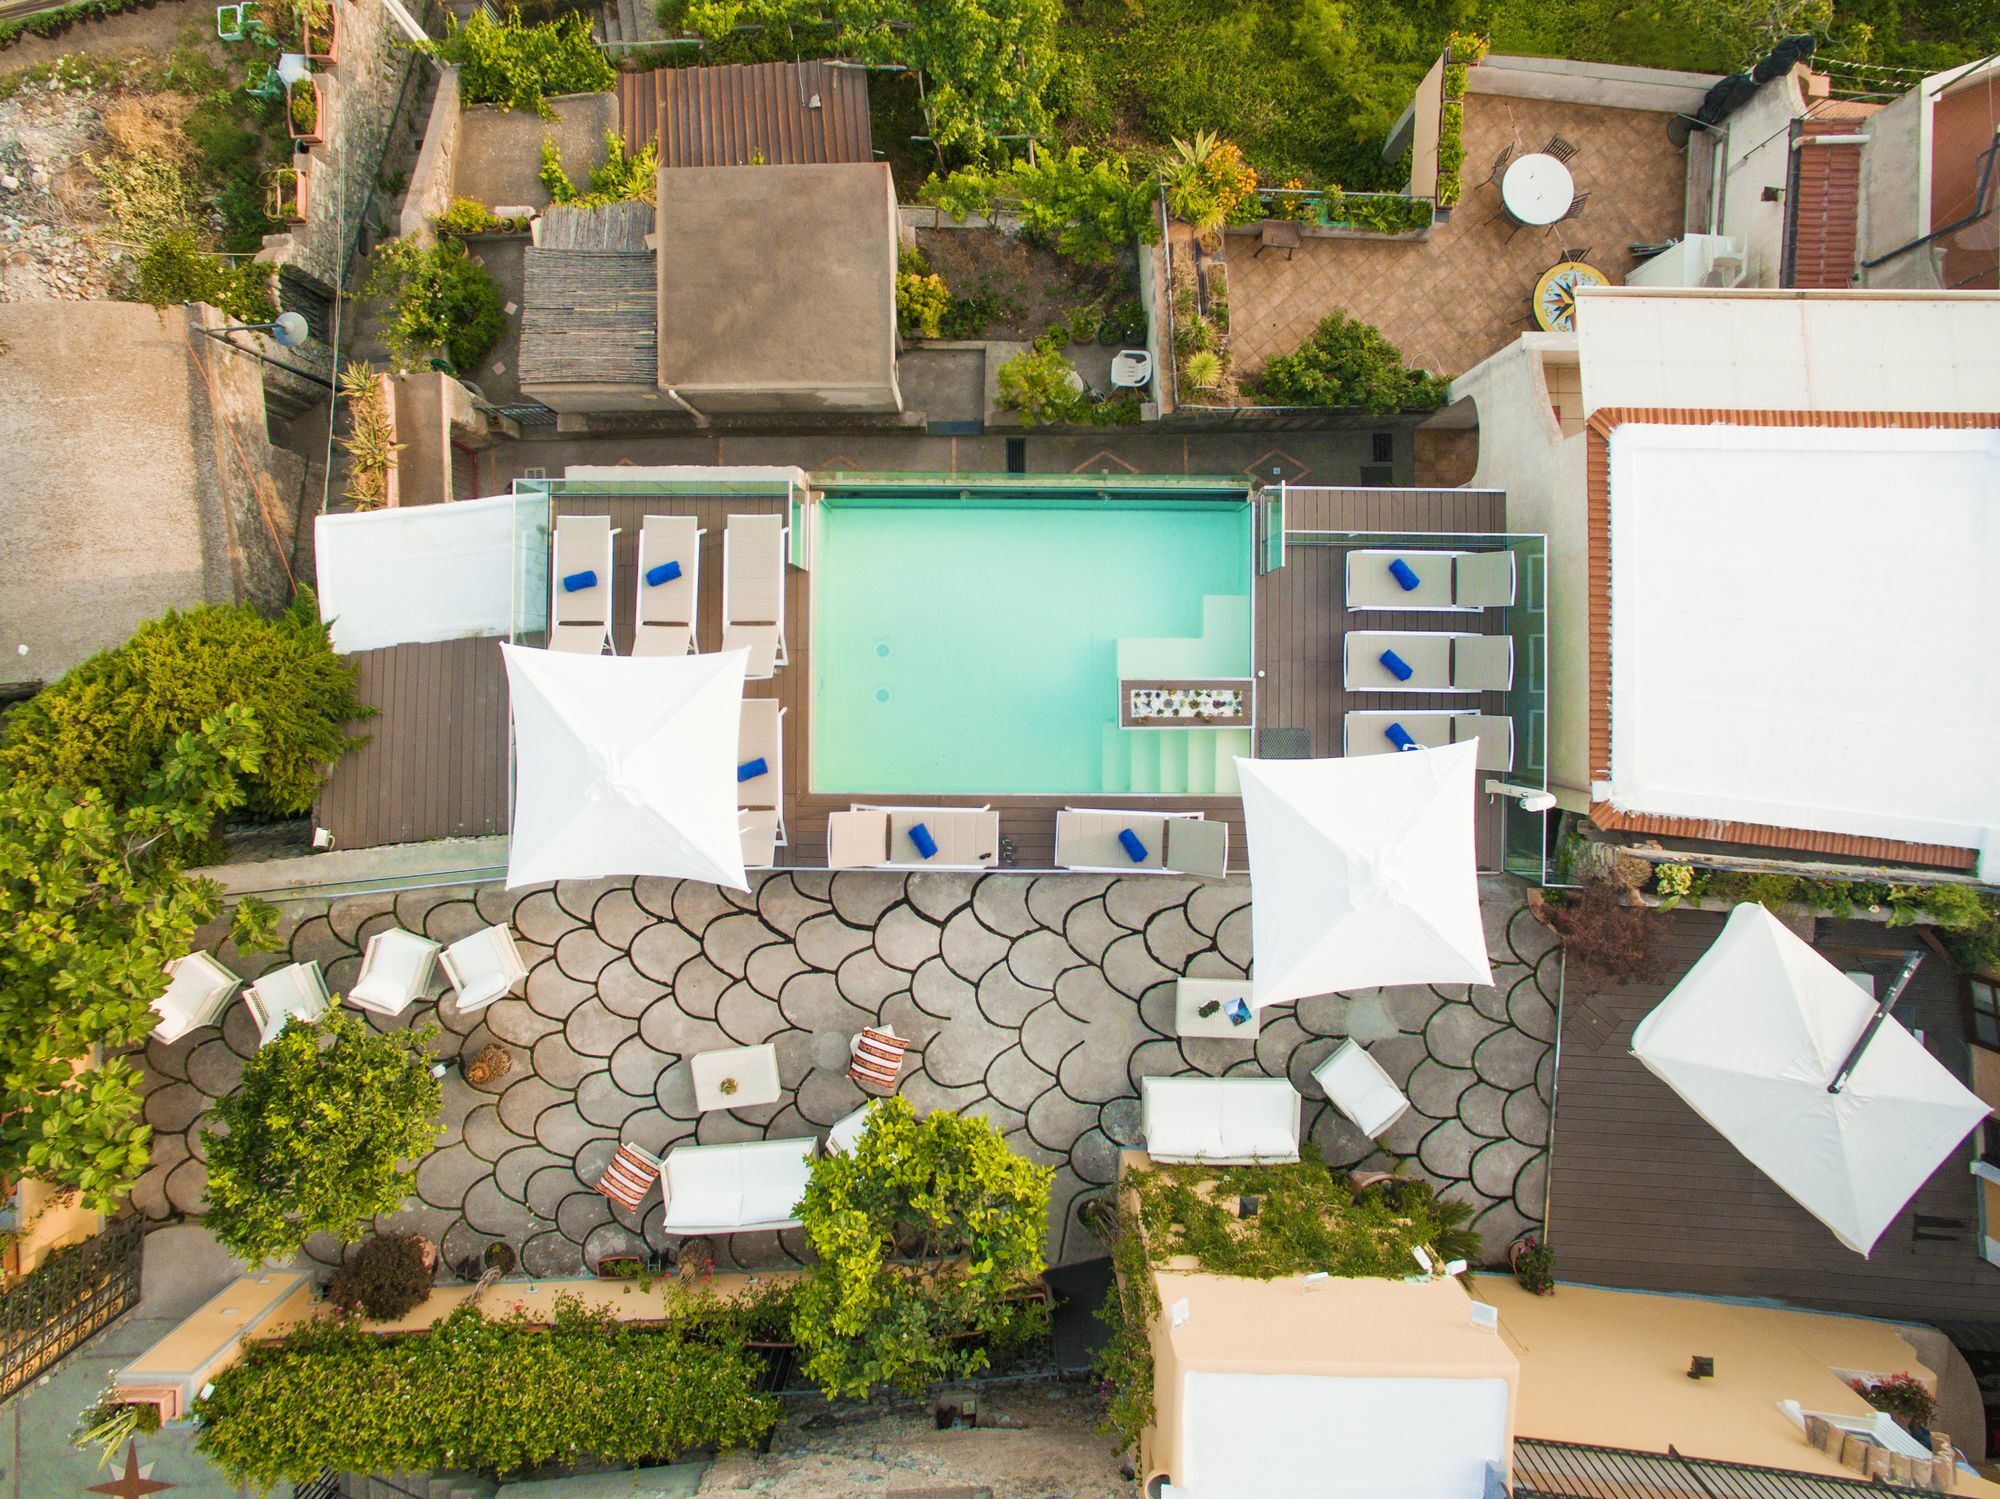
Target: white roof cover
<point>625,765</point>
<point>1270,1436</point>
<point>426,572</point>
<point>1362,872</point>
<point>1750,1039</point>
<point>1734,552</point>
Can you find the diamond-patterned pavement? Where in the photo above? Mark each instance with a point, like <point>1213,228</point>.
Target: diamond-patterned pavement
<point>1035,1001</point>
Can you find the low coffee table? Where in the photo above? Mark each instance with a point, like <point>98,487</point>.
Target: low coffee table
<point>755,1069</point>
<point>1191,994</point>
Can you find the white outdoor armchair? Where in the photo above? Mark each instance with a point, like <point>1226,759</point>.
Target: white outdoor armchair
<point>297,992</point>
<point>483,967</point>
<point>198,990</point>
<point>1360,1089</point>
<point>396,969</point>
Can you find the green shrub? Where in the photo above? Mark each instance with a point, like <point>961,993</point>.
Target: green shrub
<point>1348,363</point>
<point>1037,385</point>
<point>494,1396</point>
<point>1124,1364</point>
<point>384,1279</point>
<point>1208,183</point>
<point>622,178</point>
<point>314,1139</point>
<point>922,301</point>
<point>443,302</point>
<point>109,723</point>
<point>175,270</point>
<point>1454,80</point>
<point>110,1424</point>
<point>1088,208</point>
<point>147,196</point>
<point>302,107</point>
<point>522,66</point>
<point>464,216</point>
<point>1374,213</point>
<point>946,1195</point>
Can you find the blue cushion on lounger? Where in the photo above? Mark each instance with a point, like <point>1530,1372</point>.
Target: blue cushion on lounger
<point>749,770</point>
<point>1400,737</point>
<point>1129,841</point>
<point>1400,669</point>
<point>666,572</point>
<point>1405,574</point>
<point>576,582</point>
<point>926,844</point>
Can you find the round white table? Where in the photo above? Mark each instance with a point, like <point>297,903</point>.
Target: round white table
<point>1537,189</point>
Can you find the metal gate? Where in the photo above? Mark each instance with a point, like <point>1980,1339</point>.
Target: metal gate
<point>67,1299</point>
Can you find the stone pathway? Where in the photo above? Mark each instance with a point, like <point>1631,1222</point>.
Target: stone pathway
<point>1035,1001</point>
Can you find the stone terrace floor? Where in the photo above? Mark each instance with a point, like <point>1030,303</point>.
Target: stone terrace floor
<point>1449,301</point>
<point>1035,1001</point>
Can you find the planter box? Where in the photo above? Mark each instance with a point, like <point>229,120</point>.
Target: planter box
<point>308,39</point>
<point>290,204</point>
<point>317,134</point>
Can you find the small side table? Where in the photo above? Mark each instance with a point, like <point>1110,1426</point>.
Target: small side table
<point>1191,994</point>
<point>1279,234</point>
<point>755,1069</point>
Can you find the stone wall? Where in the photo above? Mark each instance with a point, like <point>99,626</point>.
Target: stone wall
<point>430,191</point>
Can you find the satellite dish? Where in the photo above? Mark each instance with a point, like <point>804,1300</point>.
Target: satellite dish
<point>290,330</point>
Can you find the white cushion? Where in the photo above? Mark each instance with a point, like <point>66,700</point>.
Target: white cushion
<point>711,1208</point>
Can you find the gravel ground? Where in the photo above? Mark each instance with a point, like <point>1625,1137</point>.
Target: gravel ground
<point>1033,1442</point>
<point>49,214</point>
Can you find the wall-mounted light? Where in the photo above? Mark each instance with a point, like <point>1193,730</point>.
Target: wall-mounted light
<point>1700,1367</point>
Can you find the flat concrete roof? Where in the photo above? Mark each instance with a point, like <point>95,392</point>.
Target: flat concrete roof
<point>777,277</point>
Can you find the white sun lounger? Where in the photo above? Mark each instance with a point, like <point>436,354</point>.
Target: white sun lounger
<point>1175,842</point>
<point>760,735</point>
<point>663,613</point>
<point>198,988</point>
<point>1445,580</point>
<point>1438,662</point>
<point>580,619</point>
<point>880,838</point>
<point>1367,733</point>
<point>295,992</point>
<point>761,833</point>
<point>753,590</point>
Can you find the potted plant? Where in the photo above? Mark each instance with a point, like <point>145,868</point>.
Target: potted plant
<point>501,1259</point>
<point>727,1087</point>
<point>388,1277</point>
<point>1533,1264</point>
<point>1907,1399</point>
<point>111,1423</point>
<point>319,31</point>
<point>302,111</point>
<point>621,1267</point>
<point>489,1063</point>
<point>288,194</point>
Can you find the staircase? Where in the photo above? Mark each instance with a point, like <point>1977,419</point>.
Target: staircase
<point>1222,649</point>
<point>628,23</point>
<point>1173,762</point>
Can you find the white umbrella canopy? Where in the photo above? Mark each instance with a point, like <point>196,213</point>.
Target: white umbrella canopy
<point>625,765</point>
<point>1362,873</point>
<point>1751,1038</point>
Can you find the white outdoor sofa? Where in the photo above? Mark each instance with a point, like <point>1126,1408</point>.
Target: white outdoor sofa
<point>483,967</point>
<point>885,838</point>
<point>198,988</point>
<point>1087,838</point>
<point>1367,733</point>
<point>1360,1089</point>
<point>753,590</point>
<point>727,1189</point>
<point>847,1130</point>
<point>1444,579</point>
<point>580,618</point>
<point>663,612</point>
<point>294,992</point>
<point>396,968</point>
<point>1223,1121</point>
<point>1438,662</point>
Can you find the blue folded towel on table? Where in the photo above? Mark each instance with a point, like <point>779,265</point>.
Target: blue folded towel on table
<point>1129,841</point>
<point>1400,737</point>
<point>577,582</point>
<point>666,572</point>
<point>1238,1011</point>
<point>926,844</point>
<point>749,770</point>
<point>1405,574</point>
<point>1400,669</point>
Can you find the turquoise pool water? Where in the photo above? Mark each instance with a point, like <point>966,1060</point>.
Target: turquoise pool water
<point>978,648</point>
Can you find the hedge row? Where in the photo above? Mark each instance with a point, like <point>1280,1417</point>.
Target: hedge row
<point>56,22</point>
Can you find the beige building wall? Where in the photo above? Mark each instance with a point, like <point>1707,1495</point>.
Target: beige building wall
<point>51,1219</point>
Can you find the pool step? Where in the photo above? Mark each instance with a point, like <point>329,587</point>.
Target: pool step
<point>1221,649</point>
<point>1117,759</point>
<point>1229,743</point>
<point>1143,750</point>
<point>1173,761</point>
<point>1201,762</point>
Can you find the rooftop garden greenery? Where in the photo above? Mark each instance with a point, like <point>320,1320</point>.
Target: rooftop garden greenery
<point>521,65</point>
<point>111,723</point>
<point>623,178</point>
<point>928,1237</point>
<point>1083,206</point>
<point>494,1395</point>
<point>1348,363</point>
<point>316,1137</point>
<point>94,902</point>
<point>442,304</point>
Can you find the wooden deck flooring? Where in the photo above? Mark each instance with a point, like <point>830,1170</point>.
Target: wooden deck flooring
<point>1644,1194</point>
<point>438,765</point>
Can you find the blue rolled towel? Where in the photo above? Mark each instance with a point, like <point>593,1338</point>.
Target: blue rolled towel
<point>576,582</point>
<point>1400,669</point>
<point>1129,841</point>
<point>1400,737</point>
<point>926,844</point>
<point>1405,574</point>
<point>666,572</point>
<point>749,770</point>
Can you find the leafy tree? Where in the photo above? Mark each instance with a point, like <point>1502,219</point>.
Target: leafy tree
<point>519,66</point>
<point>622,178</point>
<point>1088,208</point>
<point>1040,386</point>
<point>315,1138</point>
<point>443,302</point>
<point>945,1194</point>
<point>175,270</point>
<point>108,724</point>
<point>93,905</point>
<point>1347,362</point>
<point>987,64</point>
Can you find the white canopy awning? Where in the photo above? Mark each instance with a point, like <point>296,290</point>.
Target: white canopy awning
<point>1362,872</point>
<point>625,765</point>
<point>1751,1038</point>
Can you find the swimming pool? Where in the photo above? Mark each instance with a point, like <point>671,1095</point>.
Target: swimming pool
<point>975,646</point>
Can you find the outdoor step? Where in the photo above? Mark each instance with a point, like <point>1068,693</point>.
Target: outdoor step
<point>1144,749</point>
<point>1200,762</point>
<point>1173,760</point>
<point>1229,743</point>
<point>1117,759</point>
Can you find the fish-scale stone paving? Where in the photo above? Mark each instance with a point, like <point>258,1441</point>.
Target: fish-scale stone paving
<point>1037,1002</point>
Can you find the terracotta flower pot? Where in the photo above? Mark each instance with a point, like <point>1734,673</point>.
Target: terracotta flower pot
<point>316,132</point>
<point>311,37</point>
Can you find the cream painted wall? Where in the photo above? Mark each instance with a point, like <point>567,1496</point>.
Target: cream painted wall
<point>1757,153</point>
